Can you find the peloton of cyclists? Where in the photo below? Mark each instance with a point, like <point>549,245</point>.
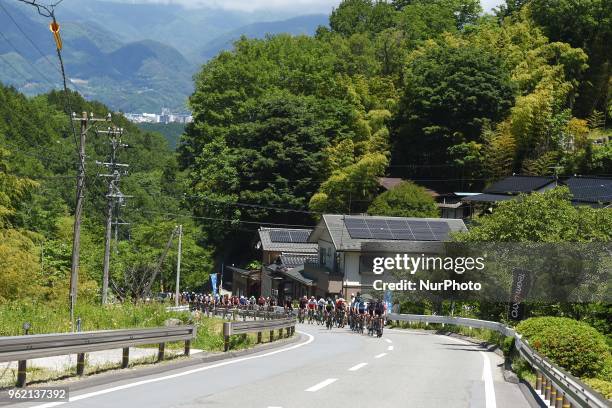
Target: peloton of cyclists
<point>312,309</point>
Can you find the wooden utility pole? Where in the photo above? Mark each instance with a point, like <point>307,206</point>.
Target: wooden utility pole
<point>178,263</point>
<point>78,212</point>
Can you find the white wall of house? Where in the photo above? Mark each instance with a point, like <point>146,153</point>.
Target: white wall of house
<point>351,268</point>
<point>327,252</point>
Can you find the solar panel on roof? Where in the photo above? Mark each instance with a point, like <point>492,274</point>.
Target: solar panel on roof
<point>397,229</point>
<point>289,236</point>
<point>299,236</point>
<point>280,236</point>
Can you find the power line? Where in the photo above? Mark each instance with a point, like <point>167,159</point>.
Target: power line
<point>43,76</point>
<point>28,38</point>
<point>19,73</point>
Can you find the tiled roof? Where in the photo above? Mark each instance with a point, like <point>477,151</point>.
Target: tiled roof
<point>590,189</point>
<point>292,260</point>
<point>489,198</point>
<point>518,184</point>
<point>296,247</point>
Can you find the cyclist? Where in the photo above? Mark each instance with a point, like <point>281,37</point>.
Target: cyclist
<point>379,313</point>
<point>370,315</point>
<point>341,312</point>
<point>361,310</point>
<point>302,311</point>
<point>329,313</point>
<point>312,307</point>
<point>321,306</point>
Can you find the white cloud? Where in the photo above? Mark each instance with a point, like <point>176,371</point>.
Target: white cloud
<point>299,6</point>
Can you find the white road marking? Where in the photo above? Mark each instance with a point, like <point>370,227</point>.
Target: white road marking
<point>487,377</point>
<point>389,341</point>
<point>322,384</point>
<point>358,366</point>
<point>380,355</point>
<point>390,348</point>
<point>177,375</point>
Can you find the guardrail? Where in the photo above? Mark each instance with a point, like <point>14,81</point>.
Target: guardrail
<point>555,386</point>
<point>260,326</point>
<point>23,348</point>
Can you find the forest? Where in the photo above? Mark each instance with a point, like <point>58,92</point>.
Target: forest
<point>289,127</point>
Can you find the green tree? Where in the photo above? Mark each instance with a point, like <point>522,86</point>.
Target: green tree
<point>405,200</point>
<point>452,89</point>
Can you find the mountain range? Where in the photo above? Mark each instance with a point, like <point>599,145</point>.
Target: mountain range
<point>132,57</point>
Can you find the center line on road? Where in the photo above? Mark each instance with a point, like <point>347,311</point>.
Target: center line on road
<point>322,384</point>
<point>380,355</point>
<point>358,366</point>
<point>388,340</point>
<point>390,348</point>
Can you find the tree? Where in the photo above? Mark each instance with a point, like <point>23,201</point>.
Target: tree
<point>585,24</point>
<point>405,200</point>
<point>451,90</point>
<point>362,16</point>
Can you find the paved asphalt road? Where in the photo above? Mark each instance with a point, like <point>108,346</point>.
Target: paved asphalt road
<point>327,369</point>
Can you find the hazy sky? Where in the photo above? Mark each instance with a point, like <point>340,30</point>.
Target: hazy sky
<point>305,6</point>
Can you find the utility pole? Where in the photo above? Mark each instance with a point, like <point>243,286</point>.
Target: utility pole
<point>86,124</point>
<point>113,197</point>
<point>178,263</point>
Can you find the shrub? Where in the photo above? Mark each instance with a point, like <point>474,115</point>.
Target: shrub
<point>602,386</point>
<point>571,344</point>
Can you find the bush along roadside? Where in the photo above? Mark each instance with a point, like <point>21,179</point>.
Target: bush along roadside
<point>574,346</point>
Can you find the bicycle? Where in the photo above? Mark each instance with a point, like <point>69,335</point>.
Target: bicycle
<point>329,320</point>
<point>311,316</point>
<point>377,326</point>
<point>301,315</point>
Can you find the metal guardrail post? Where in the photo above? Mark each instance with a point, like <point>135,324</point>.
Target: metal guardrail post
<point>271,336</point>
<point>280,333</point>
<point>21,373</point>
<point>547,389</point>
<point>80,367</point>
<point>538,384</point>
<point>553,395</point>
<point>161,352</point>
<point>566,403</point>
<point>125,358</point>
<point>559,401</point>
<point>187,347</point>
<point>258,337</point>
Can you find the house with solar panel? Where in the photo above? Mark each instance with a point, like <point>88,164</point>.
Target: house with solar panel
<point>348,244</point>
<point>284,253</point>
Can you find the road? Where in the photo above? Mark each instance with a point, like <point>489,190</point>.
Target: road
<point>327,369</point>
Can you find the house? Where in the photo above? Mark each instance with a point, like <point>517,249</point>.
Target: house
<point>284,253</point>
<point>450,204</point>
<point>592,191</point>
<point>348,244</point>
<point>511,187</point>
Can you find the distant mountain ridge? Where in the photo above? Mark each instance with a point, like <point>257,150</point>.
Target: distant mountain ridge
<point>132,57</point>
<point>306,25</point>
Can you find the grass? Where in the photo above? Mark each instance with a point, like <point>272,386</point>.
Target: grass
<point>45,318</point>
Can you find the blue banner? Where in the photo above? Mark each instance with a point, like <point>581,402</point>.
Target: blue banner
<point>213,283</point>
<point>388,300</point>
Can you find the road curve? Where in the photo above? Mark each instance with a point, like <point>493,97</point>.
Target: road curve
<point>326,369</point>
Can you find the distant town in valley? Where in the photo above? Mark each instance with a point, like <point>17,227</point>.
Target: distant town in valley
<point>166,116</point>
